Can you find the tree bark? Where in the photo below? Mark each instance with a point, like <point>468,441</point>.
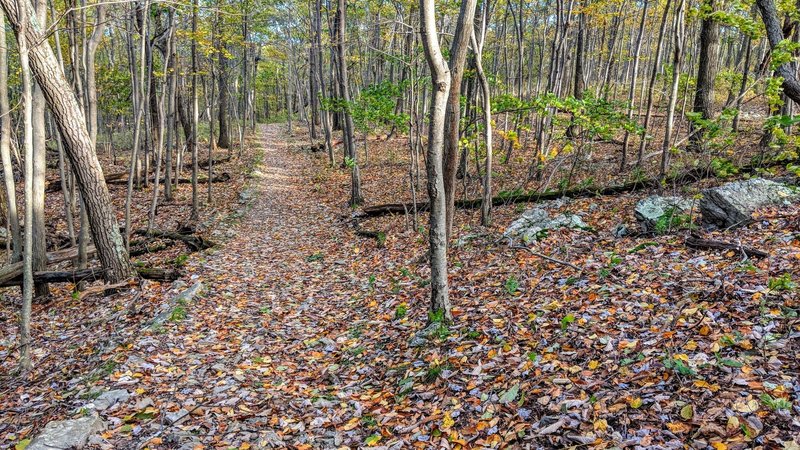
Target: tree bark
<point>769,14</point>
<point>458,56</point>
<point>5,150</point>
<point>72,125</point>
<point>355,175</point>
<point>706,71</point>
<point>440,78</point>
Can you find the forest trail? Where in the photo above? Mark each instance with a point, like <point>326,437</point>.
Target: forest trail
<point>258,351</point>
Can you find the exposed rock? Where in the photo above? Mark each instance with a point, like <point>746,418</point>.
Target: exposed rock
<point>534,222</point>
<point>67,434</point>
<point>621,230</point>
<point>109,399</point>
<point>733,203</point>
<point>649,211</point>
<point>247,195</point>
<point>166,309</point>
<point>175,417</point>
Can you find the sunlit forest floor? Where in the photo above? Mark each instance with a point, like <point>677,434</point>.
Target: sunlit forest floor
<point>306,335</point>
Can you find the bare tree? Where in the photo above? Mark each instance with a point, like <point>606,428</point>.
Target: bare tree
<point>440,78</point>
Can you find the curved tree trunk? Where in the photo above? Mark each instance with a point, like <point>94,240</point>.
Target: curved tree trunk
<point>72,125</point>
<point>791,87</point>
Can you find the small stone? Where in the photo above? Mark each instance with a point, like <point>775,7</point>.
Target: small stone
<point>621,230</point>
<point>109,399</point>
<point>177,416</point>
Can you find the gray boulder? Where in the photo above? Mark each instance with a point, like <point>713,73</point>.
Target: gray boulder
<point>68,434</point>
<point>654,209</point>
<point>534,222</point>
<point>733,203</point>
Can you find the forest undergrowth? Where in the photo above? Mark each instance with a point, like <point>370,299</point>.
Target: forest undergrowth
<point>306,335</point>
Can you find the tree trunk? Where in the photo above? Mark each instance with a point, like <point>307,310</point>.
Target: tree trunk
<point>91,84</point>
<point>706,72</point>
<point>224,139</point>
<point>477,45</point>
<point>632,92</point>
<point>39,172</point>
<point>72,125</point>
<point>440,77</point>
<point>653,76</point>
<point>791,87</point>
<point>22,25</point>
<point>5,150</point>
<point>458,56</point>
<point>673,97</point>
<point>355,175</point>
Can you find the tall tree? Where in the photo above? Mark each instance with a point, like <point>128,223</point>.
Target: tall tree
<point>440,79</point>
<point>72,125</point>
<point>706,70</point>
<point>458,57</point>
<point>5,150</point>
<point>344,86</point>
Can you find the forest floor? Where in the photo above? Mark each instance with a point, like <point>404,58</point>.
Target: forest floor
<point>305,335</point>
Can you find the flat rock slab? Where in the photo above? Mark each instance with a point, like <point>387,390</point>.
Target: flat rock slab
<point>534,222</point>
<point>68,434</point>
<point>732,204</point>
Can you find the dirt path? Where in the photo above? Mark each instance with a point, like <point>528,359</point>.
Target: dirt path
<point>258,356</point>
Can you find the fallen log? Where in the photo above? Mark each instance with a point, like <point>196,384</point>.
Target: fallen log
<point>708,244</point>
<point>204,164</point>
<point>55,185</point>
<point>402,208</point>
<point>686,177</point>
<point>221,178</point>
<point>194,242</point>
<point>11,271</point>
<point>94,274</point>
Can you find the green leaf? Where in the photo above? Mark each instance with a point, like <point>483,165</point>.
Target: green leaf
<point>687,412</point>
<point>509,395</point>
<point>373,440</point>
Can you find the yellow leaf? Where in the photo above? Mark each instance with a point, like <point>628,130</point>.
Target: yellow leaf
<point>244,446</point>
<point>373,440</point>
<point>678,427</point>
<point>733,424</point>
<point>352,423</point>
<point>719,446</point>
<point>594,364</point>
<point>635,403</point>
<point>691,345</point>
<point>600,425</point>
<point>447,421</point>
